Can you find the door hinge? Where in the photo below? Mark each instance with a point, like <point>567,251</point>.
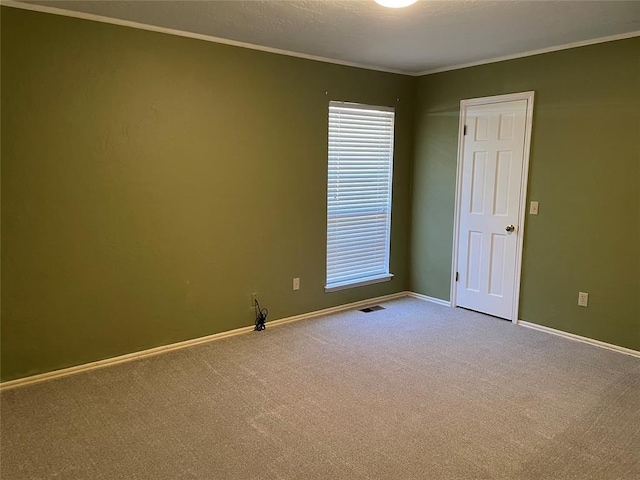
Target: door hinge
<point>457,276</point>
<point>464,130</point>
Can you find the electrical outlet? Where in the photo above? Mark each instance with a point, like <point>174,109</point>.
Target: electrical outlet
<point>254,296</point>
<point>583,299</point>
<point>296,283</point>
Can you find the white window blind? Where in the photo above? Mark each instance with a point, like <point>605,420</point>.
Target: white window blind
<point>359,194</point>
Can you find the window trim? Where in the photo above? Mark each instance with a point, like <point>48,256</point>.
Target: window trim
<point>379,277</point>
<point>336,287</point>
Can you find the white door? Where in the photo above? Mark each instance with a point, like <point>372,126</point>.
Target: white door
<point>493,161</point>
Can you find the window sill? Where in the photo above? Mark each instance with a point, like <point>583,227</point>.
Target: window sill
<point>335,287</point>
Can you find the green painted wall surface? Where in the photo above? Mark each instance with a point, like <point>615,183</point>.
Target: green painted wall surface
<point>584,171</point>
<point>152,182</point>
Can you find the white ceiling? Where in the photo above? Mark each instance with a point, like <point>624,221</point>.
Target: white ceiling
<point>430,35</point>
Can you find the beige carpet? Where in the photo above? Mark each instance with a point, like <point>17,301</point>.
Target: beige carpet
<point>416,391</point>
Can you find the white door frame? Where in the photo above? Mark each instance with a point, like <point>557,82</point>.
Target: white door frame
<point>464,104</point>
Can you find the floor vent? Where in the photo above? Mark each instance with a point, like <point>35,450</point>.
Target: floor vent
<point>375,308</point>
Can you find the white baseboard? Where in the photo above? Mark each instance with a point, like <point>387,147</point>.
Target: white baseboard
<point>238,331</point>
<point>339,308</point>
<point>107,362</point>
<point>426,298</point>
<point>578,338</point>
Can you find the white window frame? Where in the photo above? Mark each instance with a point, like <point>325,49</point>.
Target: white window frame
<point>355,271</point>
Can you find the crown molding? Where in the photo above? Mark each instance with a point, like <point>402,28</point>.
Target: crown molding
<point>196,36</point>
<point>530,53</point>
<point>278,51</point>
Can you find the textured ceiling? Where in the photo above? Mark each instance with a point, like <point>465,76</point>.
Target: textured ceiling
<point>431,34</point>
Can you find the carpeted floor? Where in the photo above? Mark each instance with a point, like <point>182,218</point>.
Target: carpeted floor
<point>415,391</point>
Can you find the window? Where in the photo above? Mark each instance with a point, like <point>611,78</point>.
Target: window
<point>359,194</point>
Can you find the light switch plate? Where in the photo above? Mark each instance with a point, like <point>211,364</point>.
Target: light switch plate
<point>533,210</point>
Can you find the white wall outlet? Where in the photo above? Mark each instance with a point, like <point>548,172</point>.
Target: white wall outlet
<point>296,283</point>
<point>254,296</point>
<point>583,299</point>
<point>533,209</point>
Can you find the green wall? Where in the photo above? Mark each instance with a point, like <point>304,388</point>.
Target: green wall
<point>584,171</point>
<point>151,182</point>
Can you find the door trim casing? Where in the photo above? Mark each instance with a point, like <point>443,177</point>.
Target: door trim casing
<point>524,181</point>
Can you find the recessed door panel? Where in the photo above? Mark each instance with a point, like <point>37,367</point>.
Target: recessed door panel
<point>496,264</point>
<point>507,126</point>
<point>474,257</point>
<point>502,184</point>
<point>482,128</point>
<point>478,182</point>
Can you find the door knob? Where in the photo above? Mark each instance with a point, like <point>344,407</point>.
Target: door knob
<point>510,228</point>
